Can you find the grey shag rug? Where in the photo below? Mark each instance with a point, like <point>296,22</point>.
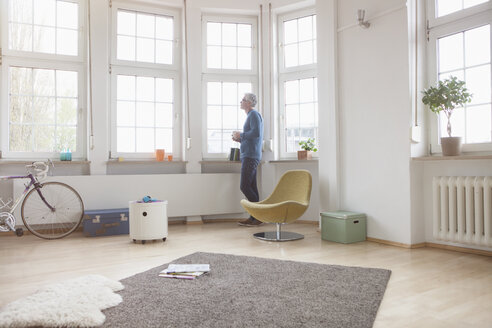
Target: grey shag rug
<point>243,291</point>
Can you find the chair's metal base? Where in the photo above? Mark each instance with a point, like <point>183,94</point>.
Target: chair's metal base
<point>284,236</point>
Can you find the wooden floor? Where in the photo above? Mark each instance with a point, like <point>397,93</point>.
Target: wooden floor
<point>428,287</point>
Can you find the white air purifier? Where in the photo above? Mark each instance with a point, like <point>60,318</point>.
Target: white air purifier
<point>148,221</point>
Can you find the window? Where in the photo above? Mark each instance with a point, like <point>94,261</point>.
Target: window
<point>145,82</point>
<point>298,89</point>
<point>229,66</point>
<point>224,114</point>
<point>461,47</point>
<point>229,46</point>
<point>446,7</point>
<point>43,94</point>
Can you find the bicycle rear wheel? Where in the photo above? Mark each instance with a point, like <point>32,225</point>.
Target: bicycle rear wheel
<point>66,216</point>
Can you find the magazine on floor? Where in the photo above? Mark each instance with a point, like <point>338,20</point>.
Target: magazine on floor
<point>184,271</point>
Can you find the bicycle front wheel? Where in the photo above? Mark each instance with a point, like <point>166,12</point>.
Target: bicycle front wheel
<point>64,216</point>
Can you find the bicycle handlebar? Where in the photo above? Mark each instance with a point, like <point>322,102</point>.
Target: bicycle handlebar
<point>40,170</point>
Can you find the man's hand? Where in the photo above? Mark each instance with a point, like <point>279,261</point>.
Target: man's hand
<point>236,136</point>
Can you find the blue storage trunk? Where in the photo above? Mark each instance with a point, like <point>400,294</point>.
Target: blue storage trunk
<point>106,222</point>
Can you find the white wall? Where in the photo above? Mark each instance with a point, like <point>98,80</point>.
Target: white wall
<point>375,116</point>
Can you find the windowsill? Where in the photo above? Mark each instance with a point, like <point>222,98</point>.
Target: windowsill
<point>143,161</point>
<point>280,161</point>
<point>451,158</point>
<point>221,161</point>
<point>26,162</point>
<point>218,161</point>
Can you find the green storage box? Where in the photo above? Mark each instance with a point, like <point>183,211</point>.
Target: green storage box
<point>343,227</point>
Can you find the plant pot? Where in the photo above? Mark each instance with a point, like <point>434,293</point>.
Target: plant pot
<point>451,146</point>
<point>304,154</point>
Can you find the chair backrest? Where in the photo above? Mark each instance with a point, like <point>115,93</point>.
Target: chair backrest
<point>293,185</point>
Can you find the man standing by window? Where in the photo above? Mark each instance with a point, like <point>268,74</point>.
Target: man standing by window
<point>251,141</point>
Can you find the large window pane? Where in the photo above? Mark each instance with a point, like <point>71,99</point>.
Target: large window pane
<point>290,32</point>
<point>45,39</point>
<point>478,82</point>
<point>470,63</point>
<point>144,37</point>
<point>244,35</point>
<point>163,115</point>
<point>478,124</point>
<point>477,46</point>
<point>229,57</point>
<point>125,87</point>
<point>306,53</point>
<point>229,34</point>
<point>145,26</point>
<point>164,90</point>
<point>164,52</point>
<point>214,34</point>
<point>44,26</point>
<point>67,14</point>
<point>164,28</point>
<point>299,41</point>
<point>125,140</point>
<point>450,52</point>
<point>144,113</point>
<point>126,113</point>
<point>66,84</point>
<point>43,103</point>
<point>301,117</point>
<point>446,7</point>
<point>305,26</point>
<point>67,42</point>
<point>163,140</point>
<point>125,48</point>
<point>126,23</point>
<point>291,55</point>
<point>224,114</point>
<point>145,50</point>
<point>229,46</point>
<point>20,37</point>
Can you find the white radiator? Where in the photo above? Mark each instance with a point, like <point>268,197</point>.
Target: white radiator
<point>463,209</point>
<point>187,194</point>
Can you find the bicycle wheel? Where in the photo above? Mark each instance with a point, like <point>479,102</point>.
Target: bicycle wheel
<point>66,216</point>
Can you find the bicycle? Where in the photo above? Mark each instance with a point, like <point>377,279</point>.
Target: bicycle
<point>49,210</point>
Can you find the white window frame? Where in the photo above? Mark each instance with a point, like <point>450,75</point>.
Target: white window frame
<point>254,43</point>
<point>226,75</point>
<point>289,74</point>
<point>168,71</point>
<point>281,19</point>
<point>439,27</point>
<point>220,78</point>
<point>29,59</point>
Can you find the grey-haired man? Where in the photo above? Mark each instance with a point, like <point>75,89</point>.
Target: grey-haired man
<point>251,141</point>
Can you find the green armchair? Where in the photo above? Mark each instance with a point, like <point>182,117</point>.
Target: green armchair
<point>288,201</point>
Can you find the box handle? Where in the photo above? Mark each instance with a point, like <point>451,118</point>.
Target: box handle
<point>356,221</point>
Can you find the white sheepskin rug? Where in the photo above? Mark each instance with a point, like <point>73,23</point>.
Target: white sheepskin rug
<point>72,303</point>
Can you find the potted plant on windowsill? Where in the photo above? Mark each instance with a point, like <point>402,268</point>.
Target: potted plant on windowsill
<point>308,147</point>
<point>445,97</point>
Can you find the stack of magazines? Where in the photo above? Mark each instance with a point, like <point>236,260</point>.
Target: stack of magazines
<point>184,271</point>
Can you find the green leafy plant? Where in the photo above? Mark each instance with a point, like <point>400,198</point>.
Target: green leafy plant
<point>446,96</point>
<point>308,145</point>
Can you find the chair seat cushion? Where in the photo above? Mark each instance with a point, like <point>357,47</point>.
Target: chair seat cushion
<point>282,212</point>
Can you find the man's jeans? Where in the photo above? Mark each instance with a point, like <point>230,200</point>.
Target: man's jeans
<point>248,179</point>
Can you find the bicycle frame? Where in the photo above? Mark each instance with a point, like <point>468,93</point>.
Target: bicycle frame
<point>33,183</point>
